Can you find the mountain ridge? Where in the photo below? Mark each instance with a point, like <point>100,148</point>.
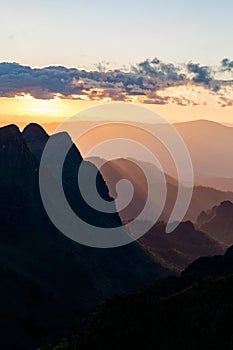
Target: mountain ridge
<point>53,282</point>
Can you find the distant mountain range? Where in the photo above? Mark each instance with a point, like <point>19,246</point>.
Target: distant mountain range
<point>210,145</point>
<point>113,171</point>
<point>220,183</point>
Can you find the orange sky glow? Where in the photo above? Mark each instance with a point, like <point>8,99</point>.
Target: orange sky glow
<point>24,109</point>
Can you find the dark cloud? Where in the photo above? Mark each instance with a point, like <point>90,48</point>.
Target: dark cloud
<point>42,83</point>
<point>143,80</point>
<point>227,65</point>
<point>202,74</point>
<point>160,74</point>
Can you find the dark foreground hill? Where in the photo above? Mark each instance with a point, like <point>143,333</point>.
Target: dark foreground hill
<point>49,283</point>
<point>192,312</point>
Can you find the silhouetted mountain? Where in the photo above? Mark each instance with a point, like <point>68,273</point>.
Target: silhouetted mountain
<point>218,222</point>
<point>18,173</point>
<point>179,248</point>
<point>36,138</point>
<point>218,265</point>
<point>204,198</point>
<point>49,283</point>
<point>177,313</point>
<point>17,164</point>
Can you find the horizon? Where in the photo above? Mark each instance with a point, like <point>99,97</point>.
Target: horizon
<point>51,126</point>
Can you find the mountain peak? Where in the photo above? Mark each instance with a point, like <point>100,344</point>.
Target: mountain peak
<point>226,204</point>
<point>16,161</point>
<point>187,225</point>
<point>218,221</point>
<point>62,136</point>
<point>34,130</point>
<point>36,138</point>
<point>9,130</point>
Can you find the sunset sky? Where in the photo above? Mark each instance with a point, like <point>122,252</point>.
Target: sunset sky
<point>175,57</point>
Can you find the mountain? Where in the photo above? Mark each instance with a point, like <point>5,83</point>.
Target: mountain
<point>14,154</point>
<point>18,173</point>
<point>220,183</point>
<point>133,170</point>
<point>181,247</point>
<point>219,265</point>
<point>50,284</point>
<point>210,146</point>
<point>204,198</point>
<point>218,222</point>
<point>36,139</point>
<point>194,311</point>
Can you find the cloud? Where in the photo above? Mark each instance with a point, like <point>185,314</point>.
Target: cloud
<point>227,65</point>
<point>201,74</point>
<point>42,83</point>
<point>142,82</point>
<point>159,74</point>
<point>225,102</point>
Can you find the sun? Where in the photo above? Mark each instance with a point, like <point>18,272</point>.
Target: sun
<point>23,108</point>
<point>37,107</point>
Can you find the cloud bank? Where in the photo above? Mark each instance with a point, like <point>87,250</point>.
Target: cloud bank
<point>143,82</point>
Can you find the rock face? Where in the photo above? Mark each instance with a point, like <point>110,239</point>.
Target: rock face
<point>218,222</point>
<point>49,284</point>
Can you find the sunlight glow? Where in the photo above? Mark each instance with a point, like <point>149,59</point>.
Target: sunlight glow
<point>24,96</point>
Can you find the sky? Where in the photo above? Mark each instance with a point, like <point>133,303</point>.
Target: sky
<point>82,33</point>
<point>107,35</point>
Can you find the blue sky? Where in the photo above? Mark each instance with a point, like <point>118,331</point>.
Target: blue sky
<point>83,33</point>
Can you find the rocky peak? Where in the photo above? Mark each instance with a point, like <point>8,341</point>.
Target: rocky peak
<point>16,159</point>
<point>36,131</point>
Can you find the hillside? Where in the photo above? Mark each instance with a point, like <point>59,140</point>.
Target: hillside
<point>184,313</point>
<point>49,283</point>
